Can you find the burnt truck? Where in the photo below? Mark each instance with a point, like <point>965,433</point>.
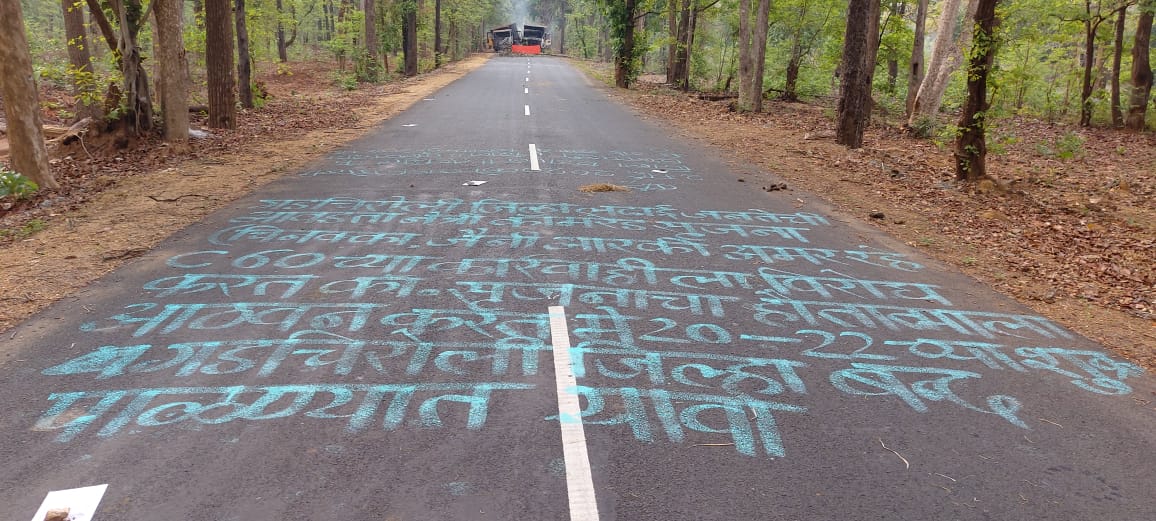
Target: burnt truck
<point>532,39</point>
<point>503,39</point>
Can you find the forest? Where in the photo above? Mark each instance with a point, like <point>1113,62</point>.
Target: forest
<point>1035,114</point>
<point>130,63</point>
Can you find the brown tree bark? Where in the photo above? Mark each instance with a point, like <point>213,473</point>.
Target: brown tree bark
<point>371,41</point>
<point>437,33</point>
<point>172,81</point>
<point>219,64</point>
<point>946,57</point>
<point>624,56</point>
<point>138,107</point>
<point>1141,68</point>
<point>916,64</point>
<point>84,84</point>
<point>752,54</point>
<point>21,101</point>
<point>244,58</point>
<point>282,49</point>
<point>854,111</point>
<point>409,39</point>
<point>971,145</point>
<point>1117,112</point>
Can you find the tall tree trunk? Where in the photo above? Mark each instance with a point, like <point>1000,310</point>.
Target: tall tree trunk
<point>1089,58</point>
<point>1141,68</point>
<point>437,33</point>
<point>84,83</point>
<point>244,58</point>
<point>854,111</point>
<point>138,103</point>
<point>409,38</point>
<point>282,49</point>
<point>946,57</point>
<point>791,84</point>
<point>219,64</point>
<point>371,41</point>
<point>682,45</point>
<point>562,29</point>
<point>1117,112</point>
<point>672,28</point>
<point>752,54</point>
<point>971,145</point>
<point>21,101</point>
<point>172,80</point>
<point>625,54</point>
<point>915,78</point>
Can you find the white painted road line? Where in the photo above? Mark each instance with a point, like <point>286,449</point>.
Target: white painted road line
<point>527,78</point>
<point>533,157</point>
<point>527,90</point>
<point>579,477</point>
<point>527,110</point>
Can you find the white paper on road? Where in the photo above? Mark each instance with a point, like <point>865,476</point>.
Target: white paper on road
<point>80,502</point>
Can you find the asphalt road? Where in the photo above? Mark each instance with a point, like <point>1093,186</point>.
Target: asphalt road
<point>381,336</point>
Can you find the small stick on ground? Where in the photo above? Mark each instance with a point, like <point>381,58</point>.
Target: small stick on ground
<point>906,464</point>
<point>1045,420</point>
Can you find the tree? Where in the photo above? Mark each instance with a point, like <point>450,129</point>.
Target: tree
<point>971,145</point>
<point>752,54</point>
<point>1093,14</point>
<point>857,69</point>
<point>946,57</point>
<point>283,43</point>
<point>137,106</point>
<point>173,85</point>
<point>244,58</point>
<point>438,51</point>
<point>409,36</point>
<point>622,16</point>
<point>371,41</point>
<point>916,64</point>
<point>219,64</point>
<point>80,59</point>
<point>1141,68</point>
<point>21,104</point>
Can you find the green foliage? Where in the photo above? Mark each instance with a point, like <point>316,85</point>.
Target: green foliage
<point>15,185</point>
<point>345,80</point>
<point>1068,146</point>
<point>29,229</point>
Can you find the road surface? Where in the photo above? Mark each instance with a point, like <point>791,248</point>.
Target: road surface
<point>436,323</point>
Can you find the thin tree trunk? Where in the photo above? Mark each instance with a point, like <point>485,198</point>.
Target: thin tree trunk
<point>971,146</point>
<point>79,57</point>
<point>219,64</point>
<point>282,49</point>
<point>244,58</point>
<point>854,111</point>
<point>1089,58</point>
<point>29,157</point>
<point>1117,111</point>
<point>437,33</point>
<point>1141,68</point>
<point>916,70</point>
<point>172,79</point>
<point>672,47</point>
